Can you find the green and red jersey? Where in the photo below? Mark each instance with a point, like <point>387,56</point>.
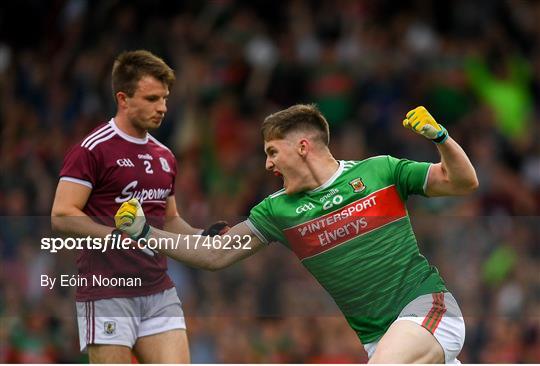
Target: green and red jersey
<point>354,235</point>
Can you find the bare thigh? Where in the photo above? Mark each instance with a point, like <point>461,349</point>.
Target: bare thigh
<point>106,353</point>
<point>408,342</point>
<point>167,347</point>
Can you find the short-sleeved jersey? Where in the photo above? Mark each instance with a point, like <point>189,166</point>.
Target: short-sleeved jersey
<point>118,167</point>
<point>354,235</point>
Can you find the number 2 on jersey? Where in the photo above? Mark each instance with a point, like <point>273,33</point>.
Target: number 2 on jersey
<point>148,166</point>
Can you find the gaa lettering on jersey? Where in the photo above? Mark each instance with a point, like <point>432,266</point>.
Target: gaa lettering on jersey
<point>145,157</point>
<point>164,165</point>
<point>153,194</point>
<point>305,208</point>
<point>350,221</point>
<point>125,163</point>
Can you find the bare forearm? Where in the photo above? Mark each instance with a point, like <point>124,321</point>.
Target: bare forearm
<point>208,252</point>
<point>176,224</point>
<point>77,223</point>
<point>457,167</point>
<point>192,251</point>
<point>188,254</point>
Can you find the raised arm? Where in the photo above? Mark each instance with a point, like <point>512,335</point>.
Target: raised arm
<point>454,175</point>
<point>189,249</point>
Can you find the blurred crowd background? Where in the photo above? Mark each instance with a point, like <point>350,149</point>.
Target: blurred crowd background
<point>474,64</point>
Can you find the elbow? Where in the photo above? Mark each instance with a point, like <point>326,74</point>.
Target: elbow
<point>213,266</point>
<point>217,263</point>
<point>60,219</point>
<point>468,186</point>
<point>472,183</point>
<point>55,227</point>
<point>57,220</point>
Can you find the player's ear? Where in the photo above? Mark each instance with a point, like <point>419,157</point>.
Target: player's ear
<point>121,99</point>
<point>303,147</point>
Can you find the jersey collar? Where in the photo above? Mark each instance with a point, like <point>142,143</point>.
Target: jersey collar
<point>331,180</point>
<point>127,137</point>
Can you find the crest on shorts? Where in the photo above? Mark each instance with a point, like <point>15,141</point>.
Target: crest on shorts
<point>357,185</point>
<point>109,327</point>
<point>165,165</point>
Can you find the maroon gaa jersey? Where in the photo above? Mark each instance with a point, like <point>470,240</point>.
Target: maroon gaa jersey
<point>118,167</point>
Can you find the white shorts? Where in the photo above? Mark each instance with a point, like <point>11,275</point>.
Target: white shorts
<point>439,313</point>
<point>120,321</point>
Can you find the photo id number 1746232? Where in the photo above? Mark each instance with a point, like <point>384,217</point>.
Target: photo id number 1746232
<point>225,242</point>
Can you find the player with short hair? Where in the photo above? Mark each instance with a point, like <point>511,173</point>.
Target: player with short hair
<point>118,161</point>
<point>348,224</point>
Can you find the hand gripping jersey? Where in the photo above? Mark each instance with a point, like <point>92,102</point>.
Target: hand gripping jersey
<point>354,235</point>
<point>118,167</point>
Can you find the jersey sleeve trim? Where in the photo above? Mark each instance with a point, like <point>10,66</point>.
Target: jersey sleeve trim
<point>78,181</point>
<point>424,187</point>
<point>278,193</point>
<point>255,231</point>
<point>99,133</point>
<point>102,139</point>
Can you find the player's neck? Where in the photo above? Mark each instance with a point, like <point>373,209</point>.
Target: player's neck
<point>129,128</point>
<point>321,169</point>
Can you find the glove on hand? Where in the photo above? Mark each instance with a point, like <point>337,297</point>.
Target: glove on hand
<point>420,121</point>
<point>130,219</point>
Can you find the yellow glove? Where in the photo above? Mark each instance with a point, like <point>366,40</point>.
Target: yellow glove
<point>130,219</point>
<point>420,121</point>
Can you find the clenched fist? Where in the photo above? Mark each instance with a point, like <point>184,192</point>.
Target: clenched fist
<point>420,121</point>
<point>130,219</point>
